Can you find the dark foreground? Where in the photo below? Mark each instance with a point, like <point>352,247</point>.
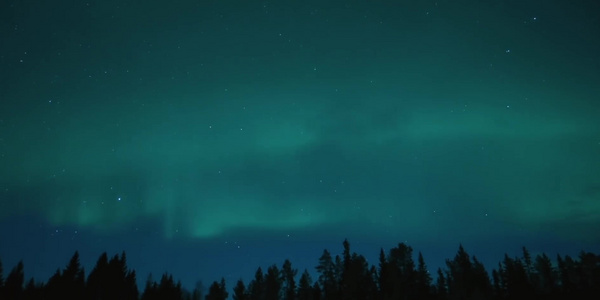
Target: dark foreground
<point>346,276</point>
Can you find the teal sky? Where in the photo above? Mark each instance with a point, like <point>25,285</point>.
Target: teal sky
<point>435,122</point>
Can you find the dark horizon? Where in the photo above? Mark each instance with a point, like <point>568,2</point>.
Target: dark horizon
<point>399,272</point>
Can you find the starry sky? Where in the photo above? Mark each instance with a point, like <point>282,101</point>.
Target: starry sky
<point>207,138</point>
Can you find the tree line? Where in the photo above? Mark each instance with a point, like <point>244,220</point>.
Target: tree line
<point>347,276</point>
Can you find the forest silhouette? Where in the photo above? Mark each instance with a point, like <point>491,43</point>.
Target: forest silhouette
<point>348,276</point>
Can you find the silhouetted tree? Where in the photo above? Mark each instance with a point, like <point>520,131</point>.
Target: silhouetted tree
<point>111,279</point>
<point>256,287</point>
<point>515,280</point>
<point>273,283</point>
<point>497,284</point>
<point>13,287</point>
<point>423,280</point>
<point>566,270</point>
<point>317,291</point>
<point>528,264</point>
<point>347,277</point>
<point>327,276</point>
<point>150,289</point>
<point>217,291</point>
<point>70,284</point>
<point>337,274</point>
<point>384,277</point>
<point>305,291</point>
<point>482,287</point>
<point>588,270</point>
<point>397,273</point>
<point>346,254</point>
<point>74,277</point>
<point>546,277</point>
<point>53,289</point>
<point>458,275</point>
<point>357,281</point>
<point>441,288</point>
<point>373,282</point>
<point>34,290</point>
<point>362,277</point>
<point>239,291</point>
<point>198,291</point>
<point>288,275</point>
<point>98,279</point>
<point>166,289</point>
<point>467,279</point>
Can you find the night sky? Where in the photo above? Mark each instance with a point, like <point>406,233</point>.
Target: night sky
<point>207,138</point>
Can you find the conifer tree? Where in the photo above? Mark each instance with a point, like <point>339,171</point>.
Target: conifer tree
<point>441,288</point>
<point>198,291</point>
<point>546,276</point>
<point>327,276</point>
<point>73,278</point>
<point>401,273</point>
<point>273,282</point>
<point>33,291</point>
<point>13,287</point>
<point>288,275</point>
<point>217,291</point>
<point>317,292</point>
<point>528,264</point>
<point>423,279</point>
<point>588,269</point>
<point>466,278</point>
<point>239,291</point>
<point>384,279</point>
<point>256,287</point>
<point>305,291</point>
<point>111,279</point>
<point>482,287</point>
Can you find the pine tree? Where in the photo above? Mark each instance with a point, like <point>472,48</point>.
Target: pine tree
<point>327,276</point>
<point>168,289</point>
<point>197,294</point>
<point>257,286</point>
<point>111,279</point>
<point>441,288</point>
<point>150,289</point>
<point>273,283</point>
<point>305,291</point>
<point>73,278</point>
<point>96,283</point>
<point>588,269</point>
<point>385,280</point>
<point>239,291</point>
<point>347,255</point>
<point>288,275</point>
<point>33,290</point>
<point>423,280</point>
<point>514,278</point>
<point>528,264</point>
<point>402,273</point>
<point>317,292</point>
<point>359,280</point>
<point>13,287</point>
<point>466,278</point>
<point>546,276</point>
<point>482,287</point>
<point>217,291</point>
